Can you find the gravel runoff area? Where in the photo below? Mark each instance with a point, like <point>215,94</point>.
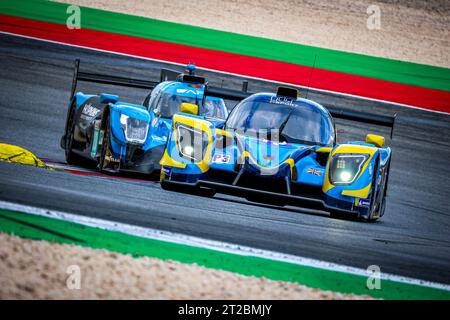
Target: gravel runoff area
<point>410,30</point>
<point>31,269</point>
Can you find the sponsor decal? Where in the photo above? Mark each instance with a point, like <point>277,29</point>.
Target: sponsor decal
<point>221,158</point>
<point>89,112</point>
<point>154,122</point>
<point>362,202</point>
<point>314,172</point>
<point>282,100</point>
<point>195,92</point>
<point>166,170</point>
<point>269,158</point>
<point>159,139</point>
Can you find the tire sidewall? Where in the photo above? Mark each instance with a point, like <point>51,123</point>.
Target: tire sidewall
<point>105,145</point>
<point>69,136</point>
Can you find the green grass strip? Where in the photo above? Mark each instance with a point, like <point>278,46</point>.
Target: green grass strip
<point>43,228</point>
<point>357,64</point>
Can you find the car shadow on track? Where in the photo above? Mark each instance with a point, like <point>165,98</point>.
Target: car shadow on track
<point>268,206</point>
<point>300,210</point>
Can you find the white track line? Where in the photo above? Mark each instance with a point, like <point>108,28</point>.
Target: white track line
<point>233,74</point>
<point>236,249</point>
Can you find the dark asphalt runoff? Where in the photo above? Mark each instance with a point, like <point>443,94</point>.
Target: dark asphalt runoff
<point>412,239</point>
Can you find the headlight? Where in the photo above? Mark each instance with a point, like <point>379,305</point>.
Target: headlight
<point>135,130</point>
<point>344,168</point>
<point>191,143</point>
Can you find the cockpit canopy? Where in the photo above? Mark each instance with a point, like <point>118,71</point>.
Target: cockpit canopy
<point>169,103</point>
<point>167,98</point>
<point>287,120</point>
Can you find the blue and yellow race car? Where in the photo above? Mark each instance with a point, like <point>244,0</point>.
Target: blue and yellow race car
<point>119,136</point>
<point>278,149</point>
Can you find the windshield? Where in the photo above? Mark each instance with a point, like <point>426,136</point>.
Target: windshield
<point>304,123</point>
<point>169,104</point>
<point>215,108</point>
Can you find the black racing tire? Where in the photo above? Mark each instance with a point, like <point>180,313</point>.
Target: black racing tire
<point>380,201</point>
<point>378,197</point>
<point>71,157</point>
<point>106,148</point>
<point>373,197</point>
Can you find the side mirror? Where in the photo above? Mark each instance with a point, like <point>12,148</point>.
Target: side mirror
<point>189,108</point>
<point>375,139</point>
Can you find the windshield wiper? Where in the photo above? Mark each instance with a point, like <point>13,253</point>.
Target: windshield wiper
<point>285,122</point>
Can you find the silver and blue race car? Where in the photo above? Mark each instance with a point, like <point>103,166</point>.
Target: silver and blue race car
<point>118,136</point>
<point>280,149</point>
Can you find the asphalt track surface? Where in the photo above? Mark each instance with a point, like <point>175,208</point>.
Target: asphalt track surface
<point>412,239</point>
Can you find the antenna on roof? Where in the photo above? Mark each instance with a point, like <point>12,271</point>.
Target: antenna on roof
<point>310,75</point>
<point>190,68</point>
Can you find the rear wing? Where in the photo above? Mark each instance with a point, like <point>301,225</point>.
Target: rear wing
<point>166,75</point>
<point>359,116</point>
<point>107,79</point>
<point>370,118</point>
<point>225,93</point>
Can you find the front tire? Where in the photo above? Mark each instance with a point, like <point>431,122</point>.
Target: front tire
<point>378,198</point>
<point>106,149</point>
<point>71,157</point>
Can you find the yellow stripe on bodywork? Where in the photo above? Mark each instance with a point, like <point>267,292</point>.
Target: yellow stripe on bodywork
<point>361,193</point>
<point>324,150</point>
<point>167,160</point>
<point>348,149</point>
